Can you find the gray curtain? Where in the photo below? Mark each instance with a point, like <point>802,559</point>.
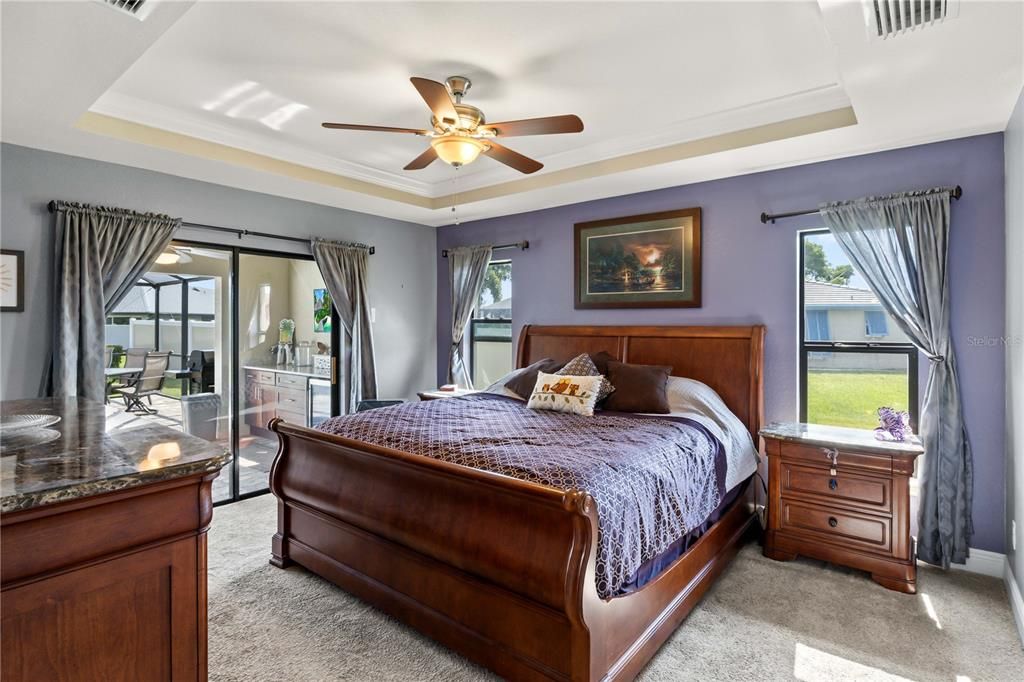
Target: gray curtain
<point>100,253</point>
<point>344,268</point>
<point>467,266</point>
<point>899,244</point>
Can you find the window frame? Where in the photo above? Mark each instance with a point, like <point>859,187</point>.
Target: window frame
<point>473,338</point>
<point>805,347</point>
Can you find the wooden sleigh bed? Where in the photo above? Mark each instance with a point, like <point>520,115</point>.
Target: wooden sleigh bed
<point>498,569</point>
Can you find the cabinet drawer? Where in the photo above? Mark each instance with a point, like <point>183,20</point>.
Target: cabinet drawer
<point>876,493</point>
<point>814,455</point>
<point>863,531</point>
<point>290,400</point>
<point>292,417</point>
<point>255,376</point>
<point>291,381</point>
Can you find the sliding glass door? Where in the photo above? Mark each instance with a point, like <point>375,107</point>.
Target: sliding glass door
<point>217,341</point>
<point>168,350</point>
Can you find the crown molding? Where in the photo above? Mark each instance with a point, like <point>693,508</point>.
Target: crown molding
<point>153,115</point>
<point>101,124</point>
<point>772,132</point>
<point>824,98</point>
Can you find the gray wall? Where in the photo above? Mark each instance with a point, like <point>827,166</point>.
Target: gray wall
<point>1014,155</point>
<point>402,272</point>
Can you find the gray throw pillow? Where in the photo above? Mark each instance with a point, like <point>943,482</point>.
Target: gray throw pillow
<point>583,366</point>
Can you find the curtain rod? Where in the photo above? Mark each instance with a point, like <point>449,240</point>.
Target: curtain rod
<point>956,193</point>
<point>523,245</point>
<point>52,206</point>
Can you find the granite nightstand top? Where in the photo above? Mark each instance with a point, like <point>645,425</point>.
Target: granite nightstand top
<point>77,458</point>
<point>862,440</point>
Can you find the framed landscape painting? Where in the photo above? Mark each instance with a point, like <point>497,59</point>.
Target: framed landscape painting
<point>644,261</point>
<point>321,311</point>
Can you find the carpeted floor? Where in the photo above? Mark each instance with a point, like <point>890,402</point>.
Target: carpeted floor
<point>763,620</point>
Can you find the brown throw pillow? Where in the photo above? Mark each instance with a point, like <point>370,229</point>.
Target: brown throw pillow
<point>522,385</point>
<point>601,361</point>
<point>638,388</point>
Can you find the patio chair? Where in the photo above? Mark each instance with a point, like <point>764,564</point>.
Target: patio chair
<point>150,381</point>
<point>134,357</point>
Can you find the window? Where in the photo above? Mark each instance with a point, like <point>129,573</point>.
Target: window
<point>817,325</point>
<point>853,358</point>
<point>490,330</point>
<point>875,323</point>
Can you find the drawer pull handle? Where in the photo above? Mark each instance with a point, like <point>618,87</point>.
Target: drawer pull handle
<point>833,522</point>
<point>833,484</point>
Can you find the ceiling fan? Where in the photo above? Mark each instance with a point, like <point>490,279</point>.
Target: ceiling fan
<point>459,133</point>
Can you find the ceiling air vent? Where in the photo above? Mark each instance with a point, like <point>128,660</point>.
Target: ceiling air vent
<point>886,18</point>
<point>136,8</point>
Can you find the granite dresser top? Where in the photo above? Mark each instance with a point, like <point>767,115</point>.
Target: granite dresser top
<point>77,458</point>
<point>862,440</point>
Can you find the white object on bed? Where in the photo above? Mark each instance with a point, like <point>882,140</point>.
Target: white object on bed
<point>698,401</point>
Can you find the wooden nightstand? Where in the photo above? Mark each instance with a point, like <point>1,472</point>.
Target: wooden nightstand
<point>842,496</point>
<point>437,394</point>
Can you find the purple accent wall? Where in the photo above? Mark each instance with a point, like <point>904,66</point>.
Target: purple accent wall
<point>750,275</point>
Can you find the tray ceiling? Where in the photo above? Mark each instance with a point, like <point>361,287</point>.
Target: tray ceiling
<point>669,92</point>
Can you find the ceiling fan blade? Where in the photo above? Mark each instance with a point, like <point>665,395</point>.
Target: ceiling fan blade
<point>523,164</point>
<point>377,129</point>
<point>548,125</point>
<point>437,98</point>
<point>423,160</point>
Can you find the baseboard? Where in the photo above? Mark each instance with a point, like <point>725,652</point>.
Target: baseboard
<point>1016,601</point>
<point>983,562</point>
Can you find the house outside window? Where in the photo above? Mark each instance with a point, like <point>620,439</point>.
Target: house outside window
<point>853,358</point>
<point>490,330</point>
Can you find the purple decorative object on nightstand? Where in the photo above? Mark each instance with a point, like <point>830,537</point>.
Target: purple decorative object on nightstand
<point>892,425</point>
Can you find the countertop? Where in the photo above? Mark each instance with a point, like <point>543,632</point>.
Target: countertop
<point>80,459</point>
<point>269,366</point>
<point>838,436</point>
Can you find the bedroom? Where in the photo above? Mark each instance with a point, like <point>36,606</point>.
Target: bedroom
<point>211,273</point>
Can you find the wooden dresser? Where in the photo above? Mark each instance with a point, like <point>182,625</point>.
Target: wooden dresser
<point>103,564</point>
<point>842,496</point>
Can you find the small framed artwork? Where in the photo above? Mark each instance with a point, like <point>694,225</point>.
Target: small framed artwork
<point>644,261</point>
<point>12,281</point>
<point>321,311</point>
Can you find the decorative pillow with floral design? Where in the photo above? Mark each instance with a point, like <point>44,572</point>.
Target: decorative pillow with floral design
<point>583,366</point>
<point>566,393</point>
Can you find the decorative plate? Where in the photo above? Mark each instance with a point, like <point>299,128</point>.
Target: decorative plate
<point>26,438</point>
<point>10,423</point>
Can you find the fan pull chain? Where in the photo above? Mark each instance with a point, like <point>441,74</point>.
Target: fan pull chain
<point>455,195</point>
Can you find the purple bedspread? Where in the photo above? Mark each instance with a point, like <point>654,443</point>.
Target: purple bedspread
<point>653,479</point>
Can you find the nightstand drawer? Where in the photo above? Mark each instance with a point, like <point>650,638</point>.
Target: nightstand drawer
<point>814,455</point>
<point>872,533</point>
<point>875,493</point>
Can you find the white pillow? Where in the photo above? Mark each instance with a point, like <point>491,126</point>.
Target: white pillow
<point>566,393</point>
<point>689,396</point>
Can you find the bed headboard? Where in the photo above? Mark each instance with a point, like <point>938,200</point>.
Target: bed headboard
<point>728,359</point>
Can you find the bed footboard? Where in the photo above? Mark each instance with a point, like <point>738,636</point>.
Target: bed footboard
<point>497,569</point>
<point>490,566</point>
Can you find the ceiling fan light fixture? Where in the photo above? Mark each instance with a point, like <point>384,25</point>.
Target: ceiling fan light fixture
<point>168,258</point>
<point>457,150</point>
